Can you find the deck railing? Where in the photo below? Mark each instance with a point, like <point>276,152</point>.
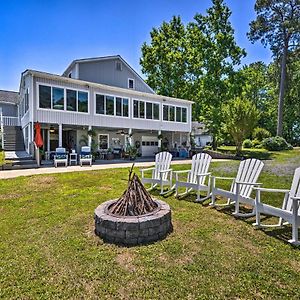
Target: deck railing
<point>10,121</point>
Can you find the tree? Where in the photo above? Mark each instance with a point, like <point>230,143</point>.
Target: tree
<point>241,118</point>
<point>277,25</point>
<point>164,59</point>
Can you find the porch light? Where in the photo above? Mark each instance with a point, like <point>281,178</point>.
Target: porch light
<point>52,129</point>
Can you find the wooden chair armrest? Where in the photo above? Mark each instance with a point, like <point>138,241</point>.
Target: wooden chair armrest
<point>296,198</point>
<point>224,178</point>
<point>248,183</point>
<point>203,174</point>
<point>147,169</point>
<point>271,190</point>
<point>179,172</point>
<point>165,171</point>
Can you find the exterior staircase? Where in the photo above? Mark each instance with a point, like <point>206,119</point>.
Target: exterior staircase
<point>13,138</point>
<point>15,155</point>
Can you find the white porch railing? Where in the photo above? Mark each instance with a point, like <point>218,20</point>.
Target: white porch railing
<point>10,121</point>
<point>1,129</point>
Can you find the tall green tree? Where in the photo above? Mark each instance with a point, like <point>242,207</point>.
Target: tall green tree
<point>212,57</point>
<point>241,118</point>
<point>277,25</point>
<point>163,61</point>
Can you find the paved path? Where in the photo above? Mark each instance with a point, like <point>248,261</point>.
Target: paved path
<point>52,170</point>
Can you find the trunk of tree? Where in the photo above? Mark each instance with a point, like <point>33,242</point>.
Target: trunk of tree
<point>214,143</point>
<point>281,91</point>
<point>239,147</point>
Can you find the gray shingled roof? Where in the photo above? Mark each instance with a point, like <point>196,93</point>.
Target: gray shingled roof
<point>9,96</point>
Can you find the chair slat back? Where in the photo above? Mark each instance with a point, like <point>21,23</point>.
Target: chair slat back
<point>162,163</point>
<point>86,149</point>
<point>249,171</point>
<point>295,190</point>
<point>200,165</point>
<point>60,150</point>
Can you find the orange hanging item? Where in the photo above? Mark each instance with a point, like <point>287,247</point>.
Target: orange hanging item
<point>38,136</point>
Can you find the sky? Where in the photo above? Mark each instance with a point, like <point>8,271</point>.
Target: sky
<point>47,35</point>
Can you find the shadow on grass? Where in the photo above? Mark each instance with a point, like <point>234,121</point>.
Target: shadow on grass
<point>282,234</point>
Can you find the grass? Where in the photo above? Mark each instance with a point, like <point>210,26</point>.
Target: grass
<point>2,158</point>
<point>48,248</point>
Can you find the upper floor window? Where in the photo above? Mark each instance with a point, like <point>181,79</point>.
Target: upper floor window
<point>112,106</point>
<point>142,109</point>
<point>130,83</point>
<point>174,113</point>
<point>54,98</point>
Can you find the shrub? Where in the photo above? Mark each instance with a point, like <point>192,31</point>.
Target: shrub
<point>247,143</point>
<point>276,143</point>
<point>261,133</point>
<point>256,143</point>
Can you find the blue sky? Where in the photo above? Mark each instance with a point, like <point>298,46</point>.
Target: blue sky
<point>48,35</point>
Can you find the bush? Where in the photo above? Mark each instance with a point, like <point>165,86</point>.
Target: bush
<point>256,143</point>
<point>261,133</point>
<point>247,143</point>
<point>276,143</point>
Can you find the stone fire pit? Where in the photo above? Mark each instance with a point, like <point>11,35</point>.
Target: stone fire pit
<point>133,219</point>
<point>133,230</point>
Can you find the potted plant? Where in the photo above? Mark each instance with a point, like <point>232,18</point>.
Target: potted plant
<point>109,155</point>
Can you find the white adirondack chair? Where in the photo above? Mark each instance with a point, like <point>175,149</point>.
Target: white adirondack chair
<point>195,177</point>
<point>290,208</point>
<point>85,156</point>
<point>241,187</point>
<point>161,172</point>
<point>60,157</point>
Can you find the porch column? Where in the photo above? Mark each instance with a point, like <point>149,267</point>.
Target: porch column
<point>90,137</point>
<point>180,139</point>
<point>159,140</point>
<point>130,136</point>
<point>188,140</point>
<point>60,135</point>
<point>48,140</point>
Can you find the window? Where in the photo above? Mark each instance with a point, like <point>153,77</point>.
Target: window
<point>54,98</point>
<point>110,105</point>
<point>118,106</point>
<point>178,114</point>
<point>130,83</point>
<point>174,113</point>
<point>155,111</point>
<point>82,101</point>
<point>171,113</point>
<point>135,108</point>
<point>71,100</point>
<point>142,109</point>
<point>103,141</point>
<point>184,115</point>
<point>45,96</point>
<point>125,107</point>
<point>149,110</point>
<point>166,113</point>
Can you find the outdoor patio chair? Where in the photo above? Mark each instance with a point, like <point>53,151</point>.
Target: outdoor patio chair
<point>85,156</point>
<point>289,211</point>
<point>196,177</point>
<point>60,157</point>
<point>161,172</point>
<point>241,187</point>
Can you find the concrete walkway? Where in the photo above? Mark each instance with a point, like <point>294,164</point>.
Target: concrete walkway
<point>51,170</point>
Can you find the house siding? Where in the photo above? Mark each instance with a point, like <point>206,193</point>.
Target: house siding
<point>91,119</point>
<point>105,72</point>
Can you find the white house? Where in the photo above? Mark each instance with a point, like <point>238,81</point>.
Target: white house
<point>106,95</point>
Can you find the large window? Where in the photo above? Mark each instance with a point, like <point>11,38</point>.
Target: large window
<point>148,110</point>
<point>45,96</point>
<point>112,106</point>
<point>58,98</point>
<point>174,113</point>
<point>54,98</point>
<point>71,100</point>
<point>82,101</point>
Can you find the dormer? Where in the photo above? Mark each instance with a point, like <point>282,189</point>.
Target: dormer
<point>109,70</point>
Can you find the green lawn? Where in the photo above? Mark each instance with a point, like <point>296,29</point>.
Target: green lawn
<point>2,158</point>
<point>48,248</point>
